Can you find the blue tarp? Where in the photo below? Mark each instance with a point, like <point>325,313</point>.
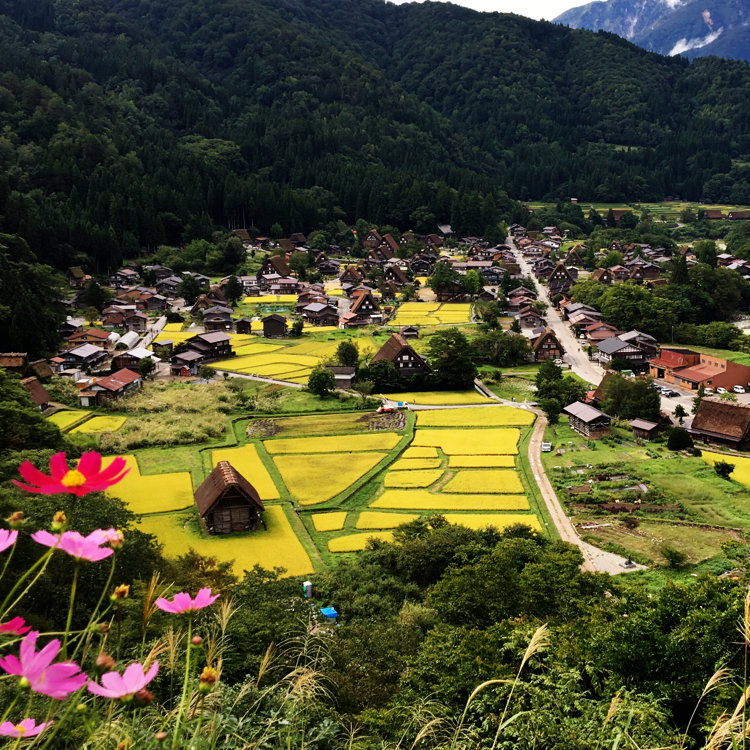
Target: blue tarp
<point>329,612</point>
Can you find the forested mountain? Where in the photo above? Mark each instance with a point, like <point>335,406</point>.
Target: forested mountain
<point>694,28</point>
<point>130,123</point>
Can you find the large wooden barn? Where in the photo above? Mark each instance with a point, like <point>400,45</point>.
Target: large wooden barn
<point>227,502</point>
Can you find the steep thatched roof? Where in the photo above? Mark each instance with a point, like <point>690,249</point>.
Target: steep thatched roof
<point>721,419</point>
<point>223,477</point>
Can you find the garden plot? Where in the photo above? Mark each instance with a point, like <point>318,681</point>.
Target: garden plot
<point>329,521</point>
<point>320,424</point>
<point>440,398</point>
<point>356,542</point>
<point>316,478</point>
<point>380,441</point>
<point>489,441</point>
<point>101,424</point>
<point>275,546</point>
<point>416,478</point>
<point>172,327</point>
<point>499,481</point>
<point>488,416</point>
<point>424,500</point>
<point>371,519</point>
<point>64,419</point>
<point>153,494</point>
<point>246,460</point>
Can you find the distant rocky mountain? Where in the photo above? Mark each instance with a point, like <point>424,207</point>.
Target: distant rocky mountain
<point>694,28</point>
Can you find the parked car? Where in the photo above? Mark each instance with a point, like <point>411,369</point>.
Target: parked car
<point>670,393</point>
<point>546,447</point>
<point>738,389</point>
<point>708,390</point>
<point>721,390</point>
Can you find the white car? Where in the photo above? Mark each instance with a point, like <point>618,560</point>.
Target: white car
<point>708,390</point>
<point>738,389</point>
<point>721,390</point>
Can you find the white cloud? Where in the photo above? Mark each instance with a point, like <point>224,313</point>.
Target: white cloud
<point>685,45</point>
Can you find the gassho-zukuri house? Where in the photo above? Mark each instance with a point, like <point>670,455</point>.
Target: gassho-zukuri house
<point>228,503</point>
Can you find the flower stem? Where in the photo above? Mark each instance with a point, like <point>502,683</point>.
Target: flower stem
<point>185,683</point>
<point>5,608</point>
<point>95,612</point>
<point>73,587</point>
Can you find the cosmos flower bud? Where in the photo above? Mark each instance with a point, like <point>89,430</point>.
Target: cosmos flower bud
<point>143,697</point>
<point>59,521</point>
<point>105,662</point>
<point>208,679</point>
<point>160,736</point>
<point>121,592</point>
<point>196,640</point>
<point>15,519</point>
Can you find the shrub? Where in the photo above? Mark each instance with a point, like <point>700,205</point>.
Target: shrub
<point>679,439</point>
<point>723,469</point>
<point>674,557</point>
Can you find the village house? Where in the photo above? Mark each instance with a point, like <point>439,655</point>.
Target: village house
<point>642,340</point>
<point>274,326</point>
<point>544,345</point>
<point>321,314</point>
<point>110,388</point>
<point>615,348</point>
<point>396,276</point>
<point>227,503</point>
<point>97,336</point>
<point>560,280</point>
<point>644,430</point>
<point>343,376</point>
<point>275,264</point>
<point>168,286</point>
<point>603,276</point>
<point>84,357</point>
<point>186,363</point>
<point>596,332</point>
<point>212,346</point>
<point>136,321</point>
<point>619,273</point>
<point>721,423</point>
<point>409,332</point>
<point>159,272</point>
<point>588,420</point>
<point>371,239</point>
<point>131,359</point>
<point>399,351</point>
<point>530,318</point>
<point>243,325</point>
<point>37,391</point>
<point>217,318</point>
<point>365,306</point>
<point>151,302</point>
<point>204,282</point>
<point>671,361</point>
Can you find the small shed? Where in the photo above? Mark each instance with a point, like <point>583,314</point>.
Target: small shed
<point>227,502</point>
<point>274,326</point>
<point>644,430</point>
<point>588,421</point>
<point>244,325</point>
<point>410,332</point>
<point>344,376</point>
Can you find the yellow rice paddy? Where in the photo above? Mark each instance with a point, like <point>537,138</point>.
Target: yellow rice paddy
<point>440,398</point>
<point>313,479</point>
<point>490,441</point>
<point>101,424</point>
<point>275,546</point>
<point>328,521</point>
<point>66,418</point>
<point>498,520</point>
<point>153,494</point>
<point>418,452</point>
<point>424,500</point>
<point>372,519</point>
<point>741,471</point>
<point>356,542</point>
<point>481,462</point>
<point>410,464</point>
<point>246,460</point>
<point>488,416</point>
<point>432,313</point>
<point>333,443</point>
<point>271,299</point>
<point>417,478</point>
<point>474,481</point>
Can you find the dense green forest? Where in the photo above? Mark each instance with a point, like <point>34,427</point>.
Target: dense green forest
<point>135,123</point>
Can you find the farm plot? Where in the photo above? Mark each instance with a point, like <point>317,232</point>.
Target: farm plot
<point>172,327</point>
<point>500,481</point>
<point>275,546</point>
<point>489,441</point>
<point>481,462</point>
<point>153,494</point>
<point>424,500</point>
<point>317,424</point>
<point>371,519</point>
<point>246,460</point>
<point>64,419</point>
<point>741,471</point>
<point>355,542</point>
<point>316,478</point>
<point>416,478</point>
<point>381,441</point>
<point>429,313</point>
<point>329,521</point>
<point>101,424</point>
<point>439,398</point>
<point>406,464</point>
<point>499,521</point>
<point>420,452</point>
<point>488,416</point>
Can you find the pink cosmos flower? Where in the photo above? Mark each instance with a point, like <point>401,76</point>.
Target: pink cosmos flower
<point>55,680</point>
<point>25,728</point>
<point>183,603</point>
<point>15,626</point>
<point>87,477</point>
<point>76,545</point>
<point>7,539</point>
<point>124,686</point>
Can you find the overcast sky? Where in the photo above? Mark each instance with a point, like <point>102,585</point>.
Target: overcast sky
<point>547,9</point>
